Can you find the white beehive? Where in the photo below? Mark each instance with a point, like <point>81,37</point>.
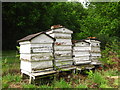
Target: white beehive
<point>95,52</point>
<point>81,52</point>
<point>36,52</point>
<point>62,45</point>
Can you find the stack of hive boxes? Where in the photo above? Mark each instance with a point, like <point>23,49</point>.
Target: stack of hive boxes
<point>95,52</point>
<point>62,46</point>
<point>36,53</point>
<point>81,52</point>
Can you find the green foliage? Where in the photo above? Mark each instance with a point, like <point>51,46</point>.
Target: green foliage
<point>111,72</point>
<point>98,78</point>
<point>11,78</point>
<point>81,86</point>
<point>104,86</point>
<point>90,73</point>
<point>45,86</point>
<point>116,82</point>
<point>28,86</point>
<point>100,20</point>
<point>5,85</point>
<point>18,48</point>
<point>61,84</point>
<point>110,55</point>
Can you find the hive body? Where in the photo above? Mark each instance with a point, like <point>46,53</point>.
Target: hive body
<point>95,52</point>
<point>36,54</point>
<point>81,52</point>
<point>62,46</point>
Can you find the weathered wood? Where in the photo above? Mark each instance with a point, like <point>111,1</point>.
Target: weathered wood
<point>29,66</point>
<point>63,57</point>
<point>64,63</point>
<point>82,44</point>
<point>80,48</point>
<point>64,35</point>
<point>42,39</point>
<point>95,54</point>
<point>94,51</point>
<point>43,73</point>
<point>62,52</point>
<point>62,30</point>
<point>48,45</point>
<point>36,53</point>
<point>39,56</point>
<point>64,40</point>
<point>63,60</point>
<point>57,48</point>
<point>81,58</point>
<point>82,62</point>
<point>81,53</point>
<point>41,49</point>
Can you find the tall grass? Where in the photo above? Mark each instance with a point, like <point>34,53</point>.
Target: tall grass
<point>97,78</point>
<point>28,86</point>
<point>82,86</point>
<point>61,84</point>
<point>11,74</point>
<point>10,78</point>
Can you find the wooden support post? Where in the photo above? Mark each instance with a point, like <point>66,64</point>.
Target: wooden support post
<point>30,80</point>
<point>23,75</point>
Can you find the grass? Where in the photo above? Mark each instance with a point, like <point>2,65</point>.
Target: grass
<point>11,77</point>
<point>82,86</point>
<point>28,86</point>
<point>61,84</point>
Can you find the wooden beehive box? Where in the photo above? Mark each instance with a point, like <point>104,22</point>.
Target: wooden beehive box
<point>36,52</point>
<point>81,52</point>
<point>62,45</point>
<point>95,52</point>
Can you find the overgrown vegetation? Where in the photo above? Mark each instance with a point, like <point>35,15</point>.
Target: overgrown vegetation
<point>11,77</point>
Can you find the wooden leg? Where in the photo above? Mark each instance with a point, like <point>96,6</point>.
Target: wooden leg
<point>22,75</point>
<point>30,80</point>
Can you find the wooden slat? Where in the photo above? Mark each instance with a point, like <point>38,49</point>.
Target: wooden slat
<point>43,73</point>
<point>82,62</point>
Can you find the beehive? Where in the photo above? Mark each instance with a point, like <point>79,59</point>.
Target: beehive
<point>62,45</point>
<point>95,52</point>
<point>36,52</point>
<point>81,52</point>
